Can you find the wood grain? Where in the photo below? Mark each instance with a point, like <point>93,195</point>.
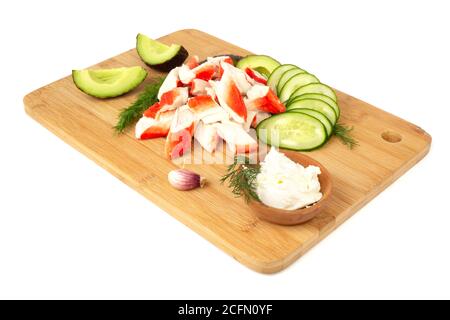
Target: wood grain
<point>358,175</point>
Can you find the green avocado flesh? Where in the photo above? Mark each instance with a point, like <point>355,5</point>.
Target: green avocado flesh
<point>263,64</point>
<point>158,55</point>
<point>108,83</point>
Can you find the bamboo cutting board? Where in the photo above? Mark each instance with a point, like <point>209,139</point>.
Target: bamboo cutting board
<point>389,146</point>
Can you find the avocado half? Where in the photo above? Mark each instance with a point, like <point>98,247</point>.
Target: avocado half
<point>159,56</point>
<point>261,63</point>
<point>108,83</point>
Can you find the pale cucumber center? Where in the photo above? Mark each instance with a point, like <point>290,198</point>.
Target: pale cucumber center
<point>300,130</point>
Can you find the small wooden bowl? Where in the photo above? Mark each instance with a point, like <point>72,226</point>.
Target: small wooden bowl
<point>302,215</point>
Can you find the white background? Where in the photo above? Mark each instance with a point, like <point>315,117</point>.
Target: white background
<point>68,229</point>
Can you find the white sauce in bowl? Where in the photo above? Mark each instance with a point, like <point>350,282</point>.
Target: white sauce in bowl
<point>285,184</point>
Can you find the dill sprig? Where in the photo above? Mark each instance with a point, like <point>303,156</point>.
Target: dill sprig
<point>242,177</point>
<point>145,99</point>
<point>343,132</point>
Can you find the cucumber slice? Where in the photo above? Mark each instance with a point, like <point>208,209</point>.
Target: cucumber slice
<point>286,76</point>
<point>158,55</point>
<point>108,83</point>
<point>315,88</point>
<point>319,96</point>
<point>318,105</point>
<point>319,116</point>
<point>292,130</point>
<point>263,64</point>
<point>296,82</point>
<point>276,75</point>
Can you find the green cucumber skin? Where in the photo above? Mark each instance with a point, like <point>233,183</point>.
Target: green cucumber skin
<point>320,97</point>
<point>324,116</point>
<point>290,86</point>
<point>290,66</point>
<point>282,82</point>
<point>107,96</point>
<point>273,83</point>
<point>262,123</point>
<point>314,100</point>
<point>294,94</point>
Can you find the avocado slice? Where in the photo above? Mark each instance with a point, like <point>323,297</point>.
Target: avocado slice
<point>158,55</point>
<point>263,64</point>
<point>108,83</point>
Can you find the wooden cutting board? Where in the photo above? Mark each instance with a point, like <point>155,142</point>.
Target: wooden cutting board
<point>389,146</point>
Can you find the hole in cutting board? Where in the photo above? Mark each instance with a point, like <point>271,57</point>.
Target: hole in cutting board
<point>391,137</point>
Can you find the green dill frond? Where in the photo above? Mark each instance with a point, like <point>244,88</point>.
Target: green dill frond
<point>145,99</point>
<point>242,178</point>
<point>344,134</point>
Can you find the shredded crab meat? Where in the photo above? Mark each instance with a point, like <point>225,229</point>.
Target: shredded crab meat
<point>207,102</point>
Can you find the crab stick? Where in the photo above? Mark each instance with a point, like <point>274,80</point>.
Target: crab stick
<point>237,139</point>
<point>179,138</point>
<point>206,135</point>
<point>262,98</point>
<point>230,97</point>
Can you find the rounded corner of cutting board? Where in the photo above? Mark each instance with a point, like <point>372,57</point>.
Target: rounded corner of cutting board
<point>190,31</point>
<point>428,138</point>
<point>29,101</point>
<point>269,265</point>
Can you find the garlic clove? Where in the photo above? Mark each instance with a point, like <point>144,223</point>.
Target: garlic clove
<point>182,179</point>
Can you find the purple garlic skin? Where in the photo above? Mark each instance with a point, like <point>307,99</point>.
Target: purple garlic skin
<point>182,179</point>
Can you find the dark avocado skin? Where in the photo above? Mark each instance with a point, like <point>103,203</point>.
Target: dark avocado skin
<point>235,58</point>
<point>176,61</point>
